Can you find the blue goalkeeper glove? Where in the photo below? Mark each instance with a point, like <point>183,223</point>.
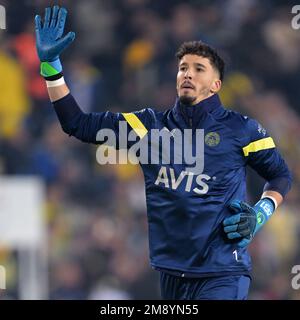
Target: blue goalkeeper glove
<point>49,40</point>
<point>247,220</point>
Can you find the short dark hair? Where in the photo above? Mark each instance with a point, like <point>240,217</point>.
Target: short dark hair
<point>203,50</point>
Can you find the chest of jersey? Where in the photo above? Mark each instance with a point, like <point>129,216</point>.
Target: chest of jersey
<point>192,159</point>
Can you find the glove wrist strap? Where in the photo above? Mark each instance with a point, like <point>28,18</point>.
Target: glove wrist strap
<point>51,69</point>
<point>264,208</point>
<point>272,199</point>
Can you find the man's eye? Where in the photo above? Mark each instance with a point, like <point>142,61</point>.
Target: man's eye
<point>182,68</point>
<point>199,69</point>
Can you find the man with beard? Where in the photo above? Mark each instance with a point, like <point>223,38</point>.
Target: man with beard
<point>199,223</point>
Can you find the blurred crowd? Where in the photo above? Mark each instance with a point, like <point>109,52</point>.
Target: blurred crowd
<point>123,60</point>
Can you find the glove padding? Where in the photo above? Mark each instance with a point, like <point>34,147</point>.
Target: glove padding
<point>242,224</point>
<point>49,41</point>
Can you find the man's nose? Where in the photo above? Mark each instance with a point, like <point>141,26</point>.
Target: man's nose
<point>188,75</point>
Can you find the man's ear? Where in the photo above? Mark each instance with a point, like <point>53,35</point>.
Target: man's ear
<point>216,86</point>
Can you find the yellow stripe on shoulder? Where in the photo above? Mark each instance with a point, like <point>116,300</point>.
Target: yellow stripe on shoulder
<point>262,144</point>
<point>136,124</point>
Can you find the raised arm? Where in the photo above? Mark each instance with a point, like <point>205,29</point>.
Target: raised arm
<point>50,44</point>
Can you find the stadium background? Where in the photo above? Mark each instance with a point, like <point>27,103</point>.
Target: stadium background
<point>123,60</point>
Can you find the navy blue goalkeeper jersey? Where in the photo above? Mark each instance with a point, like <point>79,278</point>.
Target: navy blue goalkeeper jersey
<point>185,210</point>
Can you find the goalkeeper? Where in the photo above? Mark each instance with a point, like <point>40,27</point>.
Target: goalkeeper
<point>199,225</point>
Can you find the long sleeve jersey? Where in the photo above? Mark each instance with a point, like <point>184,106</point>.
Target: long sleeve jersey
<point>185,210</point>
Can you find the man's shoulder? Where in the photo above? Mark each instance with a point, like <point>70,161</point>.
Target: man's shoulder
<point>147,116</point>
<point>233,119</point>
<point>247,128</point>
<point>151,113</point>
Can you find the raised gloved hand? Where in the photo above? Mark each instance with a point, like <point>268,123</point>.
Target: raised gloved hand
<point>247,220</point>
<point>49,40</point>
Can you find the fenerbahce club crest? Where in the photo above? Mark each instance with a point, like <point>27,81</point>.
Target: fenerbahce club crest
<point>212,139</point>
